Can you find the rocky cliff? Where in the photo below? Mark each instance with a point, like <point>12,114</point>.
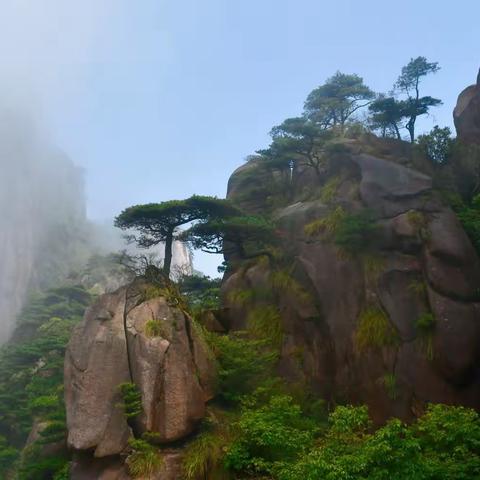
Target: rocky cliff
<point>384,303</point>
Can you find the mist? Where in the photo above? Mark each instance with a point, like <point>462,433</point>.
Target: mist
<point>47,50</point>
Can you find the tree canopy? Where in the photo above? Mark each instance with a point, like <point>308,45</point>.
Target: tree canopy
<point>245,236</point>
<point>297,140</point>
<point>409,83</point>
<point>158,222</point>
<point>334,102</point>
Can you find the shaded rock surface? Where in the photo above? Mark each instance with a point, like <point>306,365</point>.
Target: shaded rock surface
<point>418,264</point>
<point>171,367</point>
<point>467,114</point>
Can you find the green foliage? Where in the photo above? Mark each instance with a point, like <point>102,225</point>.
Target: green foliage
<point>132,399</point>
<point>204,457</point>
<point>425,325</point>
<point>246,236</point>
<point>374,330</point>
<point>336,101</point>
<point>386,114</point>
<point>443,444</point>
<point>157,222</point>
<point>270,433</point>
<point>327,225</point>
<point>437,145</point>
<point>154,328</point>
<point>355,232</point>
<point>418,287</point>
<point>243,364</point>
<point>200,292</point>
<point>329,190</point>
<point>408,83</point>
<point>389,381</point>
<point>31,381</point>
<point>469,215</point>
<point>144,460</point>
<point>264,322</point>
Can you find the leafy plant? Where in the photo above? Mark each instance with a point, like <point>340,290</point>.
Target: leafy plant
<point>132,399</point>
<point>243,364</point>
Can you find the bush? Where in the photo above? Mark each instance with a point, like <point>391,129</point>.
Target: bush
<point>268,434</point>
<point>243,364</point>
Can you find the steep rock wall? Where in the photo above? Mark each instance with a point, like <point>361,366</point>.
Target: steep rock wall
<point>418,265</point>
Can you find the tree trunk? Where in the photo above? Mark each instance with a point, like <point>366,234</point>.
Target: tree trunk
<point>167,261</point>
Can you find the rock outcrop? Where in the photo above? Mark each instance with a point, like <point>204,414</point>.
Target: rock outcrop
<point>129,337</point>
<point>418,265</point>
<point>467,114</point>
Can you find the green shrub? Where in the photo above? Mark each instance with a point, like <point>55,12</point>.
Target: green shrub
<point>267,434</point>
<point>243,364</point>
<point>374,330</point>
<point>355,232</point>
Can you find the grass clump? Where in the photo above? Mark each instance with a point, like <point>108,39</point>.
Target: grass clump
<point>154,328</point>
<point>374,330</point>
<point>329,190</point>
<point>389,381</point>
<point>327,225</point>
<point>144,460</point>
<point>264,322</point>
<point>204,457</point>
<point>425,325</point>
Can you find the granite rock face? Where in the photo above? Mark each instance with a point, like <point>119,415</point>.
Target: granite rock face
<point>418,264</point>
<point>467,114</point>
<point>159,350</point>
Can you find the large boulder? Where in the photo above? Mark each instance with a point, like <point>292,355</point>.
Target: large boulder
<point>126,337</point>
<point>467,114</point>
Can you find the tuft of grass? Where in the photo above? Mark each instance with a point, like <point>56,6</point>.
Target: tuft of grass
<point>154,328</point>
<point>326,226</point>
<point>389,381</point>
<point>418,287</point>
<point>425,327</point>
<point>265,323</point>
<point>204,457</point>
<point>144,460</point>
<point>241,297</point>
<point>374,330</point>
<point>373,265</point>
<point>329,190</point>
<point>283,282</point>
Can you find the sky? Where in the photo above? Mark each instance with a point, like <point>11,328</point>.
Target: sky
<point>161,99</point>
